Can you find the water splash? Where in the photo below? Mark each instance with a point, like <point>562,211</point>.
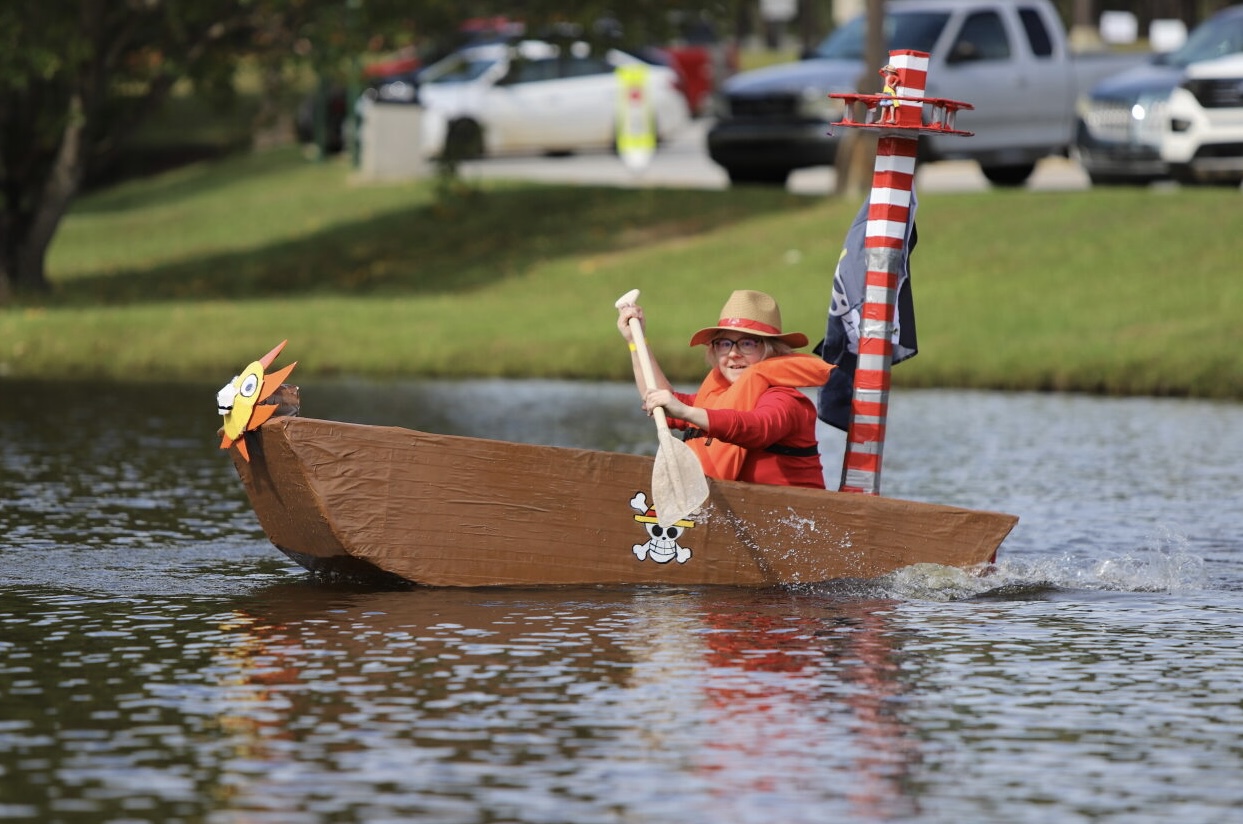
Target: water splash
<point>1167,566</point>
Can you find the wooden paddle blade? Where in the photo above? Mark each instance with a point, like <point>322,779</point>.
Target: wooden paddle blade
<point>678,483</point>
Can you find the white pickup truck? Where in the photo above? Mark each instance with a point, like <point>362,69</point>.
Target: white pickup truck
<point>1010,59</point>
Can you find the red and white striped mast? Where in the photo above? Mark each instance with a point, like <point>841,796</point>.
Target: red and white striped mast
<point>899,119</point>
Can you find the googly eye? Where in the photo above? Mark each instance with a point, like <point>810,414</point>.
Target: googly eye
<point>250,385</point>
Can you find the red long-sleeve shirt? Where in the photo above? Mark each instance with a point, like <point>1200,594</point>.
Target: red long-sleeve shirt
<point>783,416</point>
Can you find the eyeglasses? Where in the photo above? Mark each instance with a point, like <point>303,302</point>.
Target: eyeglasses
<point>746,346</point>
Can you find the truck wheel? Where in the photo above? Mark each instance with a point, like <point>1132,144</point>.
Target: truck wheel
<point>464,141</point>
<point>1011,175</point>
<point>752,175</point>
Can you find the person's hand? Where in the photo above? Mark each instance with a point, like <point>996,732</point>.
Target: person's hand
<point>624,314</point>
<point>664,398</point>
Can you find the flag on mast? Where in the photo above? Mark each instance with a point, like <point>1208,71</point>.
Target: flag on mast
<point>840,345</point>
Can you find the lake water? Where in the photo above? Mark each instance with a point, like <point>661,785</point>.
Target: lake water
<point>161,662</point>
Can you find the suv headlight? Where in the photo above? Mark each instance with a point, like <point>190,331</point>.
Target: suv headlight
<point>1148,117</point>
<point>1121,121</point>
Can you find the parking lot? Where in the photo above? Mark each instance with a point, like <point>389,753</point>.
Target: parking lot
<point>684,162</point>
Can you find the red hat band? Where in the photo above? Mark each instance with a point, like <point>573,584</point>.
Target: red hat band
<point>747,323</point>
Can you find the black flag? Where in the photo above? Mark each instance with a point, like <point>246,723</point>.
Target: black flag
<point>840,346</point>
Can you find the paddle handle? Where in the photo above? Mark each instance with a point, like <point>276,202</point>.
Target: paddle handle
<point>645,357</point>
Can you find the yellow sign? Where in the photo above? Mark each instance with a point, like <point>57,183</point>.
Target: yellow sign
<point>636,134</point>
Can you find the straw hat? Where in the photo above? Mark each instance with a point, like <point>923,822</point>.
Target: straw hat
<point>754,313</point>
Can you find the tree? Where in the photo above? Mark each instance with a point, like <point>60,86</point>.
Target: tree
<point>78,77</point>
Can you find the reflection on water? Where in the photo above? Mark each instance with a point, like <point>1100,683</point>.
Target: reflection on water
<point>159,661</point>
<point>668,704</point>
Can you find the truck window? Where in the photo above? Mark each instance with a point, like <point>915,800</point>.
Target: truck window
<point>905,30</point>
<point>982,37</point>
<point>1037,32</point>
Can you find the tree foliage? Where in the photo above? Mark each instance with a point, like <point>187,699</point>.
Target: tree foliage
<point>76,79</point>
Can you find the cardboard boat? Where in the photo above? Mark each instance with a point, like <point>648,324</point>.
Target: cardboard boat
<point>452,511</point>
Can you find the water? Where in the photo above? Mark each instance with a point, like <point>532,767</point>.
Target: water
<point>161,662</point>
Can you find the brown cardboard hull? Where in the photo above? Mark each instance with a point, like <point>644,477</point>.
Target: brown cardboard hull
<point>442,510</point>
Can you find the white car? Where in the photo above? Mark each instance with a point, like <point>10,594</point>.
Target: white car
<point>535,96</point>
<point>1204,138</point>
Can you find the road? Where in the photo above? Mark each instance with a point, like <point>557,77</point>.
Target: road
<point>683,162</point>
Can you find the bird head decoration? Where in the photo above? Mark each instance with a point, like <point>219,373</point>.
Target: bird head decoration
<point>241,401</point>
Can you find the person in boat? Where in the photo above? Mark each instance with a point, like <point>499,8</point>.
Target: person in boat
<point>749,420</point>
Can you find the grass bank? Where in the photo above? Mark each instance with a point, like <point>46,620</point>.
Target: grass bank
<point>190,275</point>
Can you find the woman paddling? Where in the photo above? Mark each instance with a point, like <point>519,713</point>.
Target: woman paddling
<point>749,421</point>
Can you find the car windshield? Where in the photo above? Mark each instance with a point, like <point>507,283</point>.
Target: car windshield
<point>457,68</point>
<point>1211,40</point>
<point>917,30</point>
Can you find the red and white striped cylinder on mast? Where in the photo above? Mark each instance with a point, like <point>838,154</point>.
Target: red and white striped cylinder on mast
<point>893,181</point>
<point>898,116</point>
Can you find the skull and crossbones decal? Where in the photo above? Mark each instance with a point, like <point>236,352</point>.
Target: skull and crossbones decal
<point>662,546</point>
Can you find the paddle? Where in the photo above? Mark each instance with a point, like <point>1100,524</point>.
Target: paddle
<point>678,483</point>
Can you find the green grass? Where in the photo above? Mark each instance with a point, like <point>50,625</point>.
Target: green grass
<point>190,275</point>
